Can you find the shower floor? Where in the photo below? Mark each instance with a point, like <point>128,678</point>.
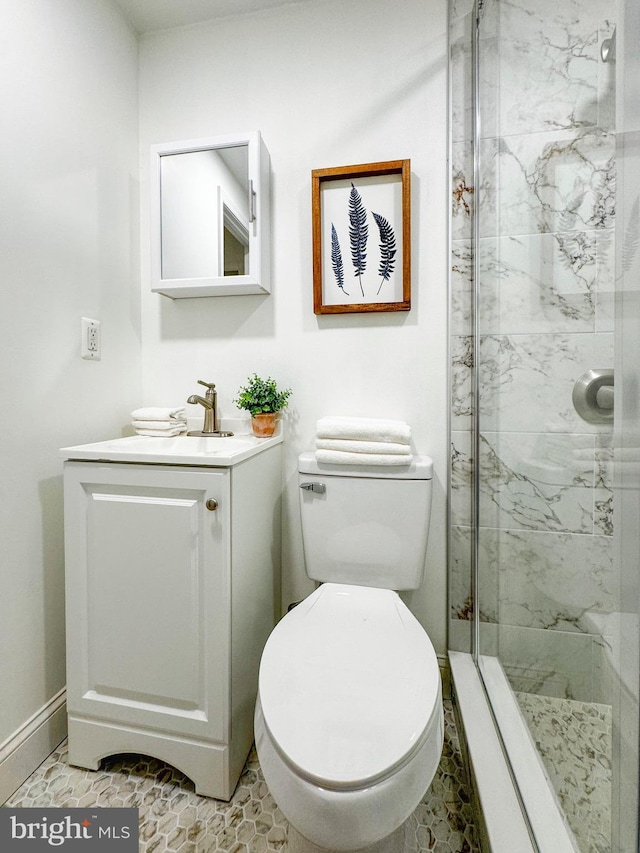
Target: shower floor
<point>574,741</point>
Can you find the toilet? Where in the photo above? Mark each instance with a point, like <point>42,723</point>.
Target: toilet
<point>349,720</point>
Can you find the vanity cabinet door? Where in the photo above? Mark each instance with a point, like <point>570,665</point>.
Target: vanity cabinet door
<point>147,585</point>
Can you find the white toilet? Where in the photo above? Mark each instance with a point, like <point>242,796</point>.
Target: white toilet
<point>349,719</point>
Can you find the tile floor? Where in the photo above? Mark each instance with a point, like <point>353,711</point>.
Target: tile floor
<point>174,818</point>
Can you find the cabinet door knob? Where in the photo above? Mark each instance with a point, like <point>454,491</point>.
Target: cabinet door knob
<point>212,504</point>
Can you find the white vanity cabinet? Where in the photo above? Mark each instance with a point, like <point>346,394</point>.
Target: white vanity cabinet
<point>171,574</point>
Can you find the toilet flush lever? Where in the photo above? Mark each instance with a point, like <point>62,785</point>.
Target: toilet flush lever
<point>319,488</point>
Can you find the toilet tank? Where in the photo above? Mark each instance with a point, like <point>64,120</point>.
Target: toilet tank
<point>365,525</point>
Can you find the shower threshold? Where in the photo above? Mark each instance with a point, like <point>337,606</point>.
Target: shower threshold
<point>507,830</point>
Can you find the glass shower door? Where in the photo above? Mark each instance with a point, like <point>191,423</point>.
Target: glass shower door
<point>546,307</point>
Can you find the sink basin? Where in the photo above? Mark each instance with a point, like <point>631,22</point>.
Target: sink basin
<point>177,450</point>
<point>183,445</point>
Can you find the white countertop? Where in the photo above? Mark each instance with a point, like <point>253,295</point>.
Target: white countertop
<point>178,450</point>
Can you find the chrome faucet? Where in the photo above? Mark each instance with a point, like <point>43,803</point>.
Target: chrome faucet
<point>210,403</point>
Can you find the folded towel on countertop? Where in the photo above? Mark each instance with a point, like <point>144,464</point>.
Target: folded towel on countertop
<point>356,446</point>
<point>364,429</point>
<point>172,423</point>
<point>338,457</point>
<point>163,433</point>
<point>160,413</point>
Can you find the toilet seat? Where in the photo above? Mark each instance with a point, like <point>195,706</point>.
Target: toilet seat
<point>349,686</point>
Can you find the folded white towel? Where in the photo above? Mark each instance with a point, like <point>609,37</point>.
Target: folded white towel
<point>159,413</point>
<point>353,446</point>
<point>337,457</point>
<point>171,423</point>
<point>364,429</point>
<point>163,433</point>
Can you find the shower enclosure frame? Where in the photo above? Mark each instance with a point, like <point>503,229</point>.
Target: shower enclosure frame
<point>498,744</point>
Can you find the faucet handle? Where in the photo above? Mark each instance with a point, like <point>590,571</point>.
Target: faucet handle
<point>209,385</point>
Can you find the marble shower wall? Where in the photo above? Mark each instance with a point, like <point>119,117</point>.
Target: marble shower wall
<point>546,207</point>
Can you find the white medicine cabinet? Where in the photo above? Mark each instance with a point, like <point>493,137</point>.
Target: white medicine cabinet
<point>209,217</point>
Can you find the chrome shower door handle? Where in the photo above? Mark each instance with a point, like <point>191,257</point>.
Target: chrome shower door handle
<point>593,396</point>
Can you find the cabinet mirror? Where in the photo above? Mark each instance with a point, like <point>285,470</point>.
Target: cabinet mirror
<point>210,217</point>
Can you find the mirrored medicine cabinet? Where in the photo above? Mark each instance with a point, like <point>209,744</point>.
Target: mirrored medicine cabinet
<point>210,229</point>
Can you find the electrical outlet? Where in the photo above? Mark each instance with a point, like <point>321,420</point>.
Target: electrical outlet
<point>90,347</point>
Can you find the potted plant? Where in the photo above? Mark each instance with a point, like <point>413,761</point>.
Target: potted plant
<point>262,399</point>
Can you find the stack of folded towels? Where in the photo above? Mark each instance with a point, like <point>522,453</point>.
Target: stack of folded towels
<point>363,441</point>
<point>160,420</point>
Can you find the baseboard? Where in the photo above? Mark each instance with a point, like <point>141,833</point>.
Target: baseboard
<point>27,748</point>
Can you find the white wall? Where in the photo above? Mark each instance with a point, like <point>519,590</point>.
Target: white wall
<point>68,238</point>
<point>327,84</point>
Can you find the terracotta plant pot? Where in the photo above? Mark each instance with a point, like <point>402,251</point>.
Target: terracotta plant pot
<point>263,425</point>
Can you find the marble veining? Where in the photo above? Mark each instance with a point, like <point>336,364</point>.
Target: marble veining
<point>553,481</point>
<point>461,367</point>
<point>460,480</point>
<point>605,279</point>
<point>562,84</point>
<point>460,30</point>
<point>538,283</point>
<point>536,482</point>
<point>547,182</point>
<point>603,489</point>
<point>535,579</point>
<point>461,288</point>
<point>550,580</point>
<point>526,380</point>
<point>462,191</point>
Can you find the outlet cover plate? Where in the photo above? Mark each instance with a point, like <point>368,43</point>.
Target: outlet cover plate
<point>90,344</point>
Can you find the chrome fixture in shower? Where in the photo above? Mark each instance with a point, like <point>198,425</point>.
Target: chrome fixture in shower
<point>608,48</point>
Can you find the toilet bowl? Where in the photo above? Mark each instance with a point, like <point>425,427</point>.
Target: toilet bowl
<point>349,720</point>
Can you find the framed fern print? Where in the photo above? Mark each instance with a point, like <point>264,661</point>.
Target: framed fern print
<point>362,238</point>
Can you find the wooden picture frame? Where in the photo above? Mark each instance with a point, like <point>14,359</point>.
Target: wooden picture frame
<point>362,238</point>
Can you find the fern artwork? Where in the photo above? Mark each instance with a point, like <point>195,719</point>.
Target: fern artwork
<point>387,249</point>
<point>358,234</point>
<point>336,259</point>
<point>363,244</point>
<point>361,223</point>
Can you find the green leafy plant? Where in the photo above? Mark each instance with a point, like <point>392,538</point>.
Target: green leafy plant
<point>262,395</point>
